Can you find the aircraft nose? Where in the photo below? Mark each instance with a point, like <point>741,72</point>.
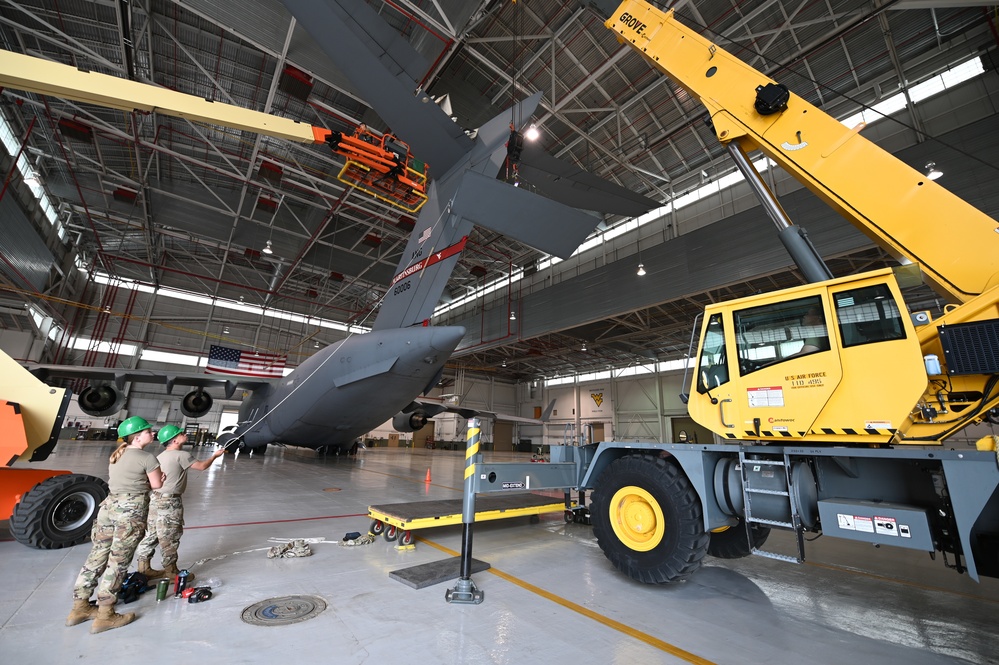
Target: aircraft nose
<point>447,338</point>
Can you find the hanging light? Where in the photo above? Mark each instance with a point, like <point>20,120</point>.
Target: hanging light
<point>316,345</point>
<point>503,364</point>
<point>513,315</point>
<point>584,347</point>
<point>641,270</point>
<point>532,133</point>
<point>225,330</point>
<point>932,172</point>
<point>267,248</point>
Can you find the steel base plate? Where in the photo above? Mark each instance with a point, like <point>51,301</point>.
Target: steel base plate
<point>283,610</point>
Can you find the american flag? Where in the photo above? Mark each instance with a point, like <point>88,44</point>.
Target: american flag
<point>223,360</point>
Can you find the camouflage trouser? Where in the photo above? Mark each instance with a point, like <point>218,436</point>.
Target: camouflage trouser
<point>165,526</point>
<point>120,525</point>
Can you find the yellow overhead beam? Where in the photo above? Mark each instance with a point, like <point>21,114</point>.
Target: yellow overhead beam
<point>24,72</point>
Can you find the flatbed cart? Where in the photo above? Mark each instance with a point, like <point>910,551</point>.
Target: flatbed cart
<point>399,520</point>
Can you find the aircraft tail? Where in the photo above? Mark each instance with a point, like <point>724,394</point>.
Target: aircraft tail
<point>471,195</point>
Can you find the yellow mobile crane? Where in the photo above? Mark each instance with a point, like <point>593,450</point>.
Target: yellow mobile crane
<point>831,399</point>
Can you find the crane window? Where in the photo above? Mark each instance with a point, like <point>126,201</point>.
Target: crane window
<point>712,368</point>
<point>868,315</point>
<point>773,333</point>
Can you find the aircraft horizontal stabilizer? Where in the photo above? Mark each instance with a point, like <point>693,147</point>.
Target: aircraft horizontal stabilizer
<point>544,224</point>
<point>567,183</point>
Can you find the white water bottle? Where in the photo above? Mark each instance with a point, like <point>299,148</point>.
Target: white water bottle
<point>932,365</point>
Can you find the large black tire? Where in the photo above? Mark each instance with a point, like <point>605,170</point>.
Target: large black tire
<point>648,520</point>
<point>58,512</point>
<point>732,544</point>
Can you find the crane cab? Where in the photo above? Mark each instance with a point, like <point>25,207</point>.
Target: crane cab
<point>834,362</point>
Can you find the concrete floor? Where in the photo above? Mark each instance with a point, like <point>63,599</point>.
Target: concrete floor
<point>551,595</point>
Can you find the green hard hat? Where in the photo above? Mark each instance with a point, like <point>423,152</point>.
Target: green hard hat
<point>167,433</point>
<point>131,426</point>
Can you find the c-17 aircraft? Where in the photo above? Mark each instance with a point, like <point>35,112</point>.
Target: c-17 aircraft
<point>356,384</point>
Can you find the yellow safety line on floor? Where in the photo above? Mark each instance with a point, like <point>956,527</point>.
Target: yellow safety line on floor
<point>579,609</point>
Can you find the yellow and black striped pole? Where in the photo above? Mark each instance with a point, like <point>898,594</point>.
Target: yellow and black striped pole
<point>464,590</point>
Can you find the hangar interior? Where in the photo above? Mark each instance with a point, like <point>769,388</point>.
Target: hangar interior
<point>138,240</point>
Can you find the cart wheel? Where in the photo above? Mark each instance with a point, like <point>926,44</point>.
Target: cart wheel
<point>391,533</point>
<point>569,517</point>
<point>406,538</point>
<point>376,528</point>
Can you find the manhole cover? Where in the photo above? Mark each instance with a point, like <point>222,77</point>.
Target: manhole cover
<point>284,610</point>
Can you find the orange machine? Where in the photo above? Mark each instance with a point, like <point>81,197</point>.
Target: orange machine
<point>48,509</point>
<point>381,166</point>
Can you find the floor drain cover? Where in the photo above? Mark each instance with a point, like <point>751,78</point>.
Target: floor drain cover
<point>284,610</point>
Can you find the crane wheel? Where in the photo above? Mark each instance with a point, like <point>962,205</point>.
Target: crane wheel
<point>732,542</point>
<point>58,512</point>
<point>647,519</point>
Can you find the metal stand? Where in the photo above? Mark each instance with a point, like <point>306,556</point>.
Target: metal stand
<point>464,591</point>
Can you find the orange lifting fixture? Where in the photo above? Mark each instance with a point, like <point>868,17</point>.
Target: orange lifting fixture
<point>382,166</point>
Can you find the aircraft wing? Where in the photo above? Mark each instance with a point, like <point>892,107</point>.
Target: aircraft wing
<point>434,408</point>
<point>119,377</point>
<point>382,66</point>
<point>566,183</point>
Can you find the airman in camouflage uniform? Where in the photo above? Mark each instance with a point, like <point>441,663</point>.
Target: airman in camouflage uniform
<point>119,527</point>
<point>165,525</point>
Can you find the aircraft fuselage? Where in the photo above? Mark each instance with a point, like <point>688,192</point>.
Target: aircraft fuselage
<point>348,388</point>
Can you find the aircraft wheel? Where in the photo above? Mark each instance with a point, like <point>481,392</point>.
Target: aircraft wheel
<point>732,544</point>
<point>406,538</point>
<point>647,519</point>
<point>391,533</point>
<point>58,512</point>
<point>377,526</point>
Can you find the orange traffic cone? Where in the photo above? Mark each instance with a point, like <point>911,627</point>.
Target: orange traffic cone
<point>428,475</point>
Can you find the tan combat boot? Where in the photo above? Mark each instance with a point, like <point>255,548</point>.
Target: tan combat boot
<point>172,571</point>
<point>82,611</point>
<point>108,619</point>
<point>146,568</point>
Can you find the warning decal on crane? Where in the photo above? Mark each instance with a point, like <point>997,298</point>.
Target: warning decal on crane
<point>886,526</point>
<point>763,397</point>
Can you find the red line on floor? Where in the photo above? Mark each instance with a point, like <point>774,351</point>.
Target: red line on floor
<point>297,519</point>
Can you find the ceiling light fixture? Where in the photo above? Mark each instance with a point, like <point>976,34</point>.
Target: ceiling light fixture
<point>316,345</point>
<point>532,133</point>
<point>513,315</point>
<point>267,248</point>
<point>225,331</point>
<point>503,364</point>
<point>641,270</point>
<point>584,347</point>
<point>932,172</point>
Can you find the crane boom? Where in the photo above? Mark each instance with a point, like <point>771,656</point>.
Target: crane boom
<point>908,215</point>
<point>24,72</point>
<point>387,174</point>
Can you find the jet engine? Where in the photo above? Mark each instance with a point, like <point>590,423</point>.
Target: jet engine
<point>196,403</point>
<point>101,401</point>
<point>409,422</point>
